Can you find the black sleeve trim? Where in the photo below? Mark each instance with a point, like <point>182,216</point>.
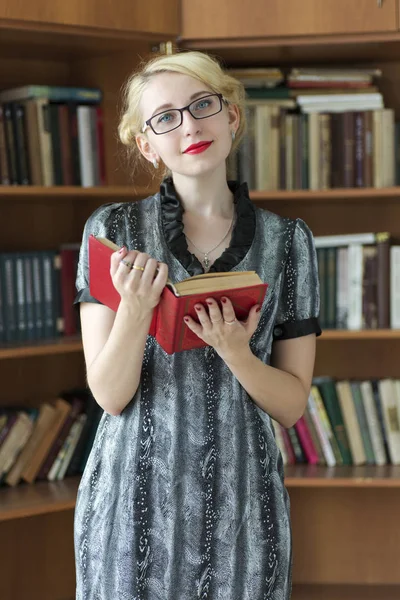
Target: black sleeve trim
<point>84,296</point>
<point>294,329</point>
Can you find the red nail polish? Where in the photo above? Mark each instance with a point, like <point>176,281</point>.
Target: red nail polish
<point>198,307</point>
<point>223,300</point>
<point>209,301</point>
<point>186,319</point>
<point>120,251</point>
<point>258,309</point>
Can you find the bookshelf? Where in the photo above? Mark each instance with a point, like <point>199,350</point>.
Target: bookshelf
<point>349,551</point>
<point>342,516</point>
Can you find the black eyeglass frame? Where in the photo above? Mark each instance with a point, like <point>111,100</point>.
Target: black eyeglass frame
<point>181,110</point>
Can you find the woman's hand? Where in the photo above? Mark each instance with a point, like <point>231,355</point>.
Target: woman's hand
<point>138,279</point>
<point>221,330</point>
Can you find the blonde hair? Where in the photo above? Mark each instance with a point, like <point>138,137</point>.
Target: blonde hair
<point>198,65</point>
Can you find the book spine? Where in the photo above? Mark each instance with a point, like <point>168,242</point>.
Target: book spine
<point>306,441</point>
<point>4,170</point>
<point>395,287</point>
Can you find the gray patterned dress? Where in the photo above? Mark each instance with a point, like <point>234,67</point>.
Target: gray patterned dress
<point>183,496</point>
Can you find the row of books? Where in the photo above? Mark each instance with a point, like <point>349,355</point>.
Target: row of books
<point>51,136</point>
<point>359,277</point>
<point>285,149</point>
<point>345,423</point>
<point>306,77</point>
<point>37,290</point>
<point>48,443</point>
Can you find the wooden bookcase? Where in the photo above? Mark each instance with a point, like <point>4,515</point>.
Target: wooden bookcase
<point>345,521</point>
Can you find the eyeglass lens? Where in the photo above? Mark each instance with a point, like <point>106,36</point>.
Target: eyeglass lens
<point>199,109</point>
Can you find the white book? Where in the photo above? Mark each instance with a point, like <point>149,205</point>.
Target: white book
<point>395,287</point>
<point>355,283</point>
<point>313,151</point>
<point>329,241</point>
<point>373,422</point>
<point>322,435</point>
<point>340,108</point>
<point>339,98</point>
<point>388,397</point>
<point>85,146</point>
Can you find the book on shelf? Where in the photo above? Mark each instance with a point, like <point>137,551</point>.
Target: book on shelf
<point>51,135</point>
<point>359,278</point>
<point>346,422</point>
<point>243,288</point>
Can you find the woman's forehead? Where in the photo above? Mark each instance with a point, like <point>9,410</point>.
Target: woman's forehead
<point>175,89</point>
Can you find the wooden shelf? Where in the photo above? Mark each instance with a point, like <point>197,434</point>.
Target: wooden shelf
<point>365,334</point>
<point>74,343</point>
<point>40,498</point>
<point>41,348</point>
<point>298,50</point>
<point>113,193</point>
<point>301,476</point>
<point>391,194</point>
<point>121,193</point>
<point>21,39</point>
<point>28,500</point>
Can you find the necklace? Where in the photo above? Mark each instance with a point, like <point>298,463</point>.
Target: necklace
<point>206,260</point>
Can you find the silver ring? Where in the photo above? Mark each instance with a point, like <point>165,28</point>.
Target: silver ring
<point>219,320</point>
<point>127,263</point>
<point>230,322</point>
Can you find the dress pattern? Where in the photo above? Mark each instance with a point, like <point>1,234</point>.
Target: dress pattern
<point>183,495</point>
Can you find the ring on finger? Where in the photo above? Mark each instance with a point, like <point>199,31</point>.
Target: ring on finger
<point>217,321</point>
<point>127,263</point>
<point>137,268</point>
<point>230,322</point>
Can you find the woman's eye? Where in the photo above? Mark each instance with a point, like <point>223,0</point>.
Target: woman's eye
<point>203,104</point>
<point>165,118</point>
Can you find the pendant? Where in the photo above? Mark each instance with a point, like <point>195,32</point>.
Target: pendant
<point>206,261</point>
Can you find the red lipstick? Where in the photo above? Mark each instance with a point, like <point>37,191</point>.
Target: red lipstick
<point>197,148</point>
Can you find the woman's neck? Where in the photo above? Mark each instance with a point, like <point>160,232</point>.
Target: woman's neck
<point>206,197</point>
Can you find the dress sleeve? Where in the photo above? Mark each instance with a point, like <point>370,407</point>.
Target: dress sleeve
<point>299,301</point>
<point>99,223</point>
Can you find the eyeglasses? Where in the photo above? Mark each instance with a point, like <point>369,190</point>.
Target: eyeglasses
<point>168,120</point>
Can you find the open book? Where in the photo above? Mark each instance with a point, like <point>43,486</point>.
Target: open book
<point>243,288</point>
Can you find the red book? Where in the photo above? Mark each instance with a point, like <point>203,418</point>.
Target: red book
<point>243,288</point>
<point>306,441</point>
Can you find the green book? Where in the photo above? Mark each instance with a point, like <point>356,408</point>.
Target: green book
<point>362,420</point>
<point>327,388</point>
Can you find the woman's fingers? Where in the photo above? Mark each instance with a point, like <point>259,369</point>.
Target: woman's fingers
<point>228,312</point>
<point>214,311</point>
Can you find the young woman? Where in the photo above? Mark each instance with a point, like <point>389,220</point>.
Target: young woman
<point>183,494</point>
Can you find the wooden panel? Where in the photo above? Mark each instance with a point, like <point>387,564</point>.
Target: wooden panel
<point>151,16</point>
<point>30,381</point>
<point>345,592</point>
<point>274,18</point>
<point>348,536</point>
<point>326,218</point>
<point>37,558</point>
<point>358,359</point>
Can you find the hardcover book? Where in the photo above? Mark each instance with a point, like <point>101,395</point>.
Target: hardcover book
<point>243,288</point>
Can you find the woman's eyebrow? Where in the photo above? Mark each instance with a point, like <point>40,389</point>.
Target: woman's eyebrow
<point>192,97</point>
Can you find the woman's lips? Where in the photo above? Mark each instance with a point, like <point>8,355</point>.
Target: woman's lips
<point>198,149</point>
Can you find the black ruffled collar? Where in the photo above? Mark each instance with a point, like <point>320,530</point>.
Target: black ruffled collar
<point>242,234</point>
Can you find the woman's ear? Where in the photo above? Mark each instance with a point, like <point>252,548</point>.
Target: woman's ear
<point>234,117</point>
<point>145,148</point>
